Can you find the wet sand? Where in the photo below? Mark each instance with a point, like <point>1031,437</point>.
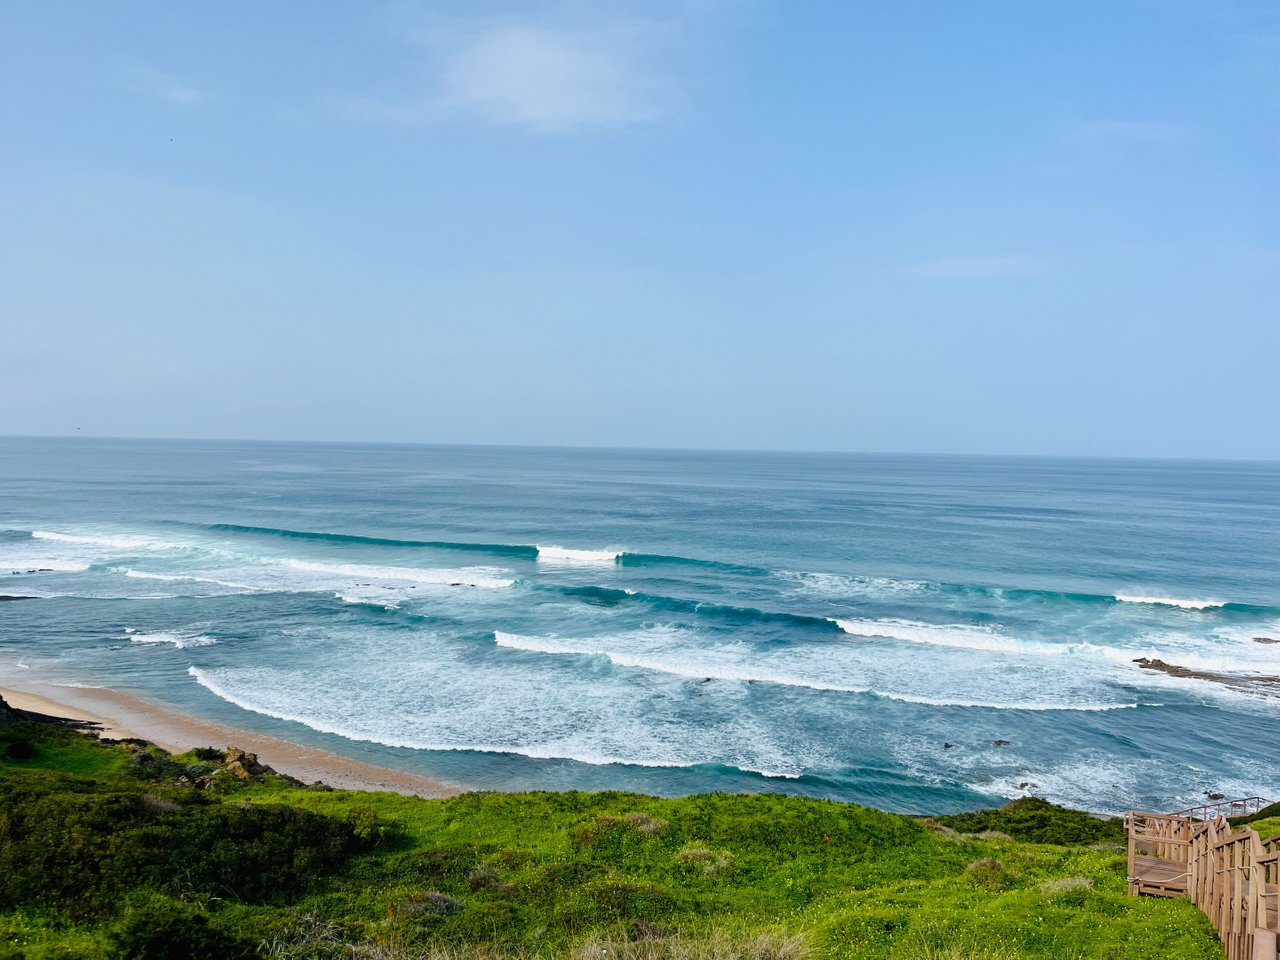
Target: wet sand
<point>119,716</point>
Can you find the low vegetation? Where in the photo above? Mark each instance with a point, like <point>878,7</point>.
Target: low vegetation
<point>1266,821</point>
<point>116,850</point>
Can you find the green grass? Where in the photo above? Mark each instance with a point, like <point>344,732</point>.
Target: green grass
<point>593,876</point>
<point>55,747</point>
<point>1267,827</point>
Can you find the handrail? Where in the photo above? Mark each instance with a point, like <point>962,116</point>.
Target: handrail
<point>1232,875</point>
<point>1234,808</point>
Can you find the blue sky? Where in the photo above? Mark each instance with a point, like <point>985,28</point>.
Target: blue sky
<point>987,227</point>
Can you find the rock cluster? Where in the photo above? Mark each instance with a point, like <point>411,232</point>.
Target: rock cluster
<point>243,765</point>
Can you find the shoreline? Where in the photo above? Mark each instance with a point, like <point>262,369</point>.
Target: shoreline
<point>115,715</point>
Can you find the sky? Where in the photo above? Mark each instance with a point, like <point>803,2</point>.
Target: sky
<point>982,227</point>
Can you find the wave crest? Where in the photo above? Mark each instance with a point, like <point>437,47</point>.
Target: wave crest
<point>568,555</point>
<point>1174,602</point>
<point>122,543</point>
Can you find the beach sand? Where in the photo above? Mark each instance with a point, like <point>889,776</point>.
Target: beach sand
<point>119,716</point>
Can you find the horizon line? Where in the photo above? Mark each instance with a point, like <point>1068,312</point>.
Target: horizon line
<point>648,449</point>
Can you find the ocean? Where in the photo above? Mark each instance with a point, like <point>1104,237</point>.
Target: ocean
<point>858,627</point>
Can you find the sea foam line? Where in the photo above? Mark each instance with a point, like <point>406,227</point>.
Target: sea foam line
<point>470,577</point>
<point>180,578</point>
<point>567,555</point>
<point>44,565</point>
<point>125,543</point>
<point>535,753</point>
<point>557,647</point>
<point>974,637</point>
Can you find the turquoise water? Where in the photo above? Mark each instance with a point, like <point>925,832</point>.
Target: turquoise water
<point>671,622</point>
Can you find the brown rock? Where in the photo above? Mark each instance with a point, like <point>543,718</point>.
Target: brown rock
<point>239,770</point>
<point>248,762</point>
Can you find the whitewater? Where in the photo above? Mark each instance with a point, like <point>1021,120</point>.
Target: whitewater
<point>921,634</point>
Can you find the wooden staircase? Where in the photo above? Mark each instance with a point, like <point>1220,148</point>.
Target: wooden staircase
<point>1232,875</point>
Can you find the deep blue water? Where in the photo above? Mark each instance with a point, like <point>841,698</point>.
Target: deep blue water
<point>671,621</point>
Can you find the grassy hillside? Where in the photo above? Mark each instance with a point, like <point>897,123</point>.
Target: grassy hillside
<point>115,850</point>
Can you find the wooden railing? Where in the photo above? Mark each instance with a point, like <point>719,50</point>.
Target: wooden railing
<point>1231,875</point>
<point>1225,808</point>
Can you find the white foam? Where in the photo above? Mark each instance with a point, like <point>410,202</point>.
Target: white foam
<point>42,565</point>
<point>1237,658</point>
<point>489,577</point>
<point>367,601</point>
<point>180,640</point>
<point>123,543</point>
<point>220,690</point>
<point>566,555</point>
<point>1172,602</point>
<point>839,586</point>
<point>959,636</point>
<point>180,578</point>
<point>718,670</point>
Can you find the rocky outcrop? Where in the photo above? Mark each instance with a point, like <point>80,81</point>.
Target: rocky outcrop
<point>243,765</point>
<point>1253,683</point>
<point>7,713</point>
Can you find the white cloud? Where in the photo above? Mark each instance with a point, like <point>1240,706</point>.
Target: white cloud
<point>172,89</point>
<point>969,268</point>
<point>543,78</point>
<point>551,80</point>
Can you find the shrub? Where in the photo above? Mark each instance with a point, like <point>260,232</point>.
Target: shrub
<point>1033,820</point>
<point>162,930</point>
<point>20,749</point>
<point>989,875</point>
<point>78,842</point>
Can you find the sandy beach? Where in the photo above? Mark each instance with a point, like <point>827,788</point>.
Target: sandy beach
<point>118,715</point>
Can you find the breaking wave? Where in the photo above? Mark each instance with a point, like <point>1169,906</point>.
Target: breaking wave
<point>466,577</point>
<point>709,671</point>
<point>1172,602</point>
<point>122,543</point>
<point>567,555</point>
<point>180,640</point>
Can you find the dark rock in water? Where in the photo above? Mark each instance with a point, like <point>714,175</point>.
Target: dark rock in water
<point>13,596</point>
<point>1214,796</point>
<point>948,746</point>
<point>1265,640</point>
<point>1001,743</point>
<point>1251,681</point>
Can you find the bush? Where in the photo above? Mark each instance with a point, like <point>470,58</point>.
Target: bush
<point>79,842</point>
<point>988,875</point>
<point>162,930</point>
<point>20,750</point>
<point>1033,820</point>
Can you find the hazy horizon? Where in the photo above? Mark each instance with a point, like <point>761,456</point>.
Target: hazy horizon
<point>606,448</point>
